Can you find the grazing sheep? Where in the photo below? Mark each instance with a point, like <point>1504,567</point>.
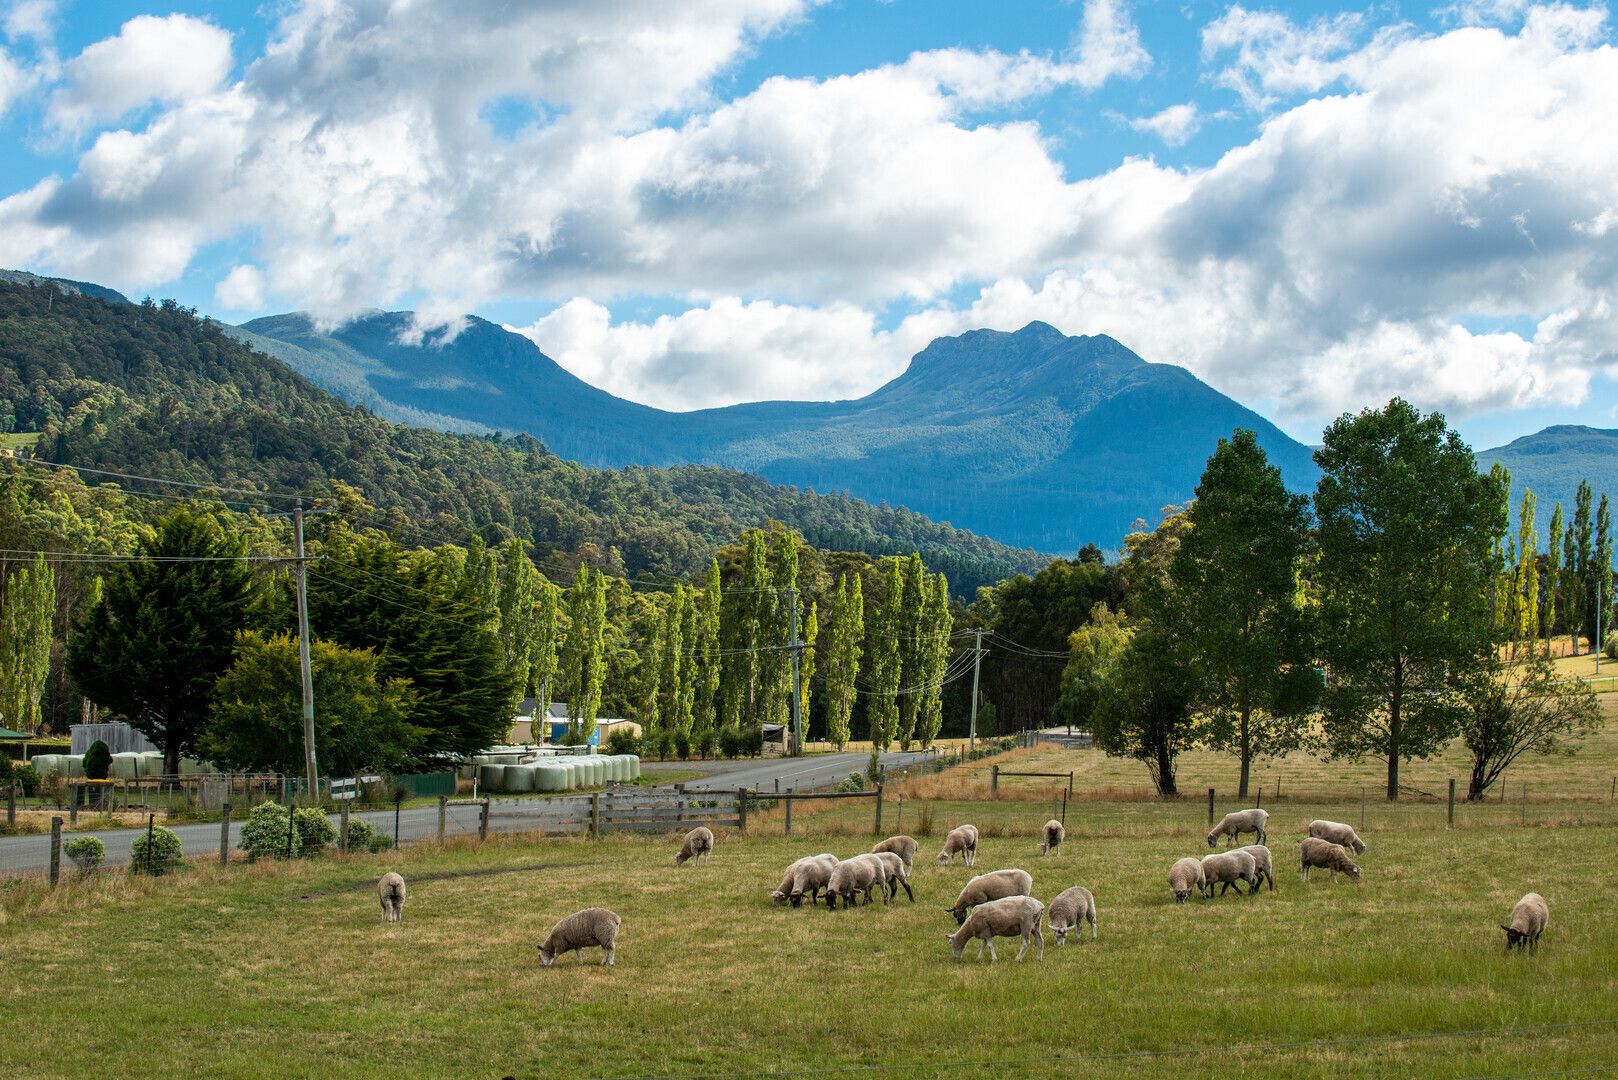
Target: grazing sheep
<point>582,930</point>
<point>895,875</point>
<point>861,874</point>
<point>1337,833</point>
<point>1528,921</point>
<point>1263,863</point>
<point>1054,835</point>
<point>698,845</point>
<point>963,841</point>
<point>392,891</point>
<point>1069,910</point>
<point>1334,857</point>
<point>991,886</point>
<point>1234,824</point>
<point>808,874</point>
<point>1226,869</point>
<point>1011,916</point>
<point>902,846</point>
<point>1185,877</point>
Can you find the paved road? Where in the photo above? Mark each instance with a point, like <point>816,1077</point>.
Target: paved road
<point>795,774</point>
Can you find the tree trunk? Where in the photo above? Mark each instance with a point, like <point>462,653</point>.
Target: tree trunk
<point>1165,772</point>
<point>1246,752</point>
<point>171,759</point>
<point>1478,785</point>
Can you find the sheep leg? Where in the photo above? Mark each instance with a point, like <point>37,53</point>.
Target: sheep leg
<point>908,890</point>
<point>993,956</point>
<point>1094,933</point>
<point>980,949</point>
<point>579,952</point>
<point>609,956</point>
<point>1025,943</point>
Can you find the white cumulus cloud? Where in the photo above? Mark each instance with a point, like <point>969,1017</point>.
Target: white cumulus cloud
<point>170,59</point>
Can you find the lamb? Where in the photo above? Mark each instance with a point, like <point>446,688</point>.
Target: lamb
<point>992,886</point>
<point>895,876</point>
<point>1337,833</point>
<point>902,846</point>
<point>1528,921</point>
<point>1184,877</point>
<point>1334,857</point>
<point>392,891</point>
<point>1263,862</point>
<point>1226,869</point>
<point>861,874</point>
<point>1055,833</point>
<point>809,874</point>
<point>698,845</point>
<point>582,930</point>
<point>1011,916</point>
<point>1241,821</point>
<point>1069,910</point>
<point>962,840</point>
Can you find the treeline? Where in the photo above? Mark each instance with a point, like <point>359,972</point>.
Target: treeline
<point>151,389</point>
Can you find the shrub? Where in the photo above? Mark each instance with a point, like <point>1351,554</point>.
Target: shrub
<point>380,842</point>
<point>159,856</point>
<point>315,830</point>
<point>1611,649</point>
<point>264,833</point>
<point>730,741</point>
<point>86,852</point>
<point>26,778</point>
<point>360,834</point>
<point>623,742</point>
<point>97,761</point>
<point>682,745</point>
<point>752,741</point>
<point>852,782</point>
<point>5,772</point>
<point>873,768</point>
<point>53,787</point>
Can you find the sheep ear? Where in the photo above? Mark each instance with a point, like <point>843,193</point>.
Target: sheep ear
<point>1506,928</point>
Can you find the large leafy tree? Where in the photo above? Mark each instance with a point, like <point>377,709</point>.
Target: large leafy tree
<point>164,630</point>
<point>883,650</point>
<point>361,719</point>
<point>1516,704</point>
<point>1144,710</point>
<point>518,605</point>
<point>1231,605</point>
<point>584,661</point>
<point>1405,529</point>
<point>843,652</point>
<point>936,627</point>
<point>1094,650</point>
<point>706,660</point>
<point>27,619</point>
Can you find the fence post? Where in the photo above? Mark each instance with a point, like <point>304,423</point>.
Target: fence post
<point>1070,783</point>
<point>1210,807</point>
<point>994,778</point>
<point>789,815</point>
<point>1260,802</point>
<point>73,805</point>
<point>224,833</point>
<point>342,827</point>
<point>1452,802</point>
<point>292,820</point>
<point>741,809</point>
<point>56,850</point>
<point>879,810</point>
<point>483,819</point>
<point>1064,810</point>
<point>595,815</point>
<point>443,812</point>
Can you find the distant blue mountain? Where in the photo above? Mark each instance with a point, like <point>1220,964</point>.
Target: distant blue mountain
<point>1551,463</point>
<point>87,288</point>
<point>1035,438</point>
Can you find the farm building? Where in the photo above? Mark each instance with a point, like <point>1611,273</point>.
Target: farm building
<point>553,729</point>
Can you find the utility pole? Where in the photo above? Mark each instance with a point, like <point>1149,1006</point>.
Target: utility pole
<point>303,658</point>
<point>977,660</point>
<point>797,673</point>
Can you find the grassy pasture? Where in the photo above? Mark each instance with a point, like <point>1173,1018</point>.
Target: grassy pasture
<point>286,971</point>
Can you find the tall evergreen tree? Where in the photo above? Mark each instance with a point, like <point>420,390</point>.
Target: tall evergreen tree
<point>1405,528</point>
<point>26,635</point>
<point>1553,576</point>
<point>584,660</point>
<point>843,659</point>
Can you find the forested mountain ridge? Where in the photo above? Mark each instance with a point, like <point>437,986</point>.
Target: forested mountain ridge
<point>1551,463</point>
<point>152,389</point>
<point>1033,437</point>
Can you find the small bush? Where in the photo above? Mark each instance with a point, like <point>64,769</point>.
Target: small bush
<point>380,842</point>
<point>623,742</point>
<point>873,768</point>
<point>682,745</point>
<point>264,834</point>
<point>52,787</point>
<point>730,741</point>
<point>852,782</point>
<point>1611,649</point>
<point>924,827</point>
<point>97,761</point>
<point>315,830</point>
<point>160,856</point>
<point>752,741</point>
<point>360,834</point>
<point>87,852</point>
<point>26,777</point>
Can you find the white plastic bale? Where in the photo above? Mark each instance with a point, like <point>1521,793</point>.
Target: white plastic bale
<point>491,777</point>
<point>518,777</point>
<point>125,766</point>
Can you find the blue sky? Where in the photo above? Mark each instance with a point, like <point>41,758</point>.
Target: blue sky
<point>1311,207</point>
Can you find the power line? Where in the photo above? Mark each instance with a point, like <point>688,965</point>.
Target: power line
<point>163,480</point>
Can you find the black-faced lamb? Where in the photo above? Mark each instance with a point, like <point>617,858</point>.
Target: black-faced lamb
<point>1241,821</point>
<point>861,874</point>
<point>1069,911</point>
<point>1226,868</point>
<point>807,875</point>
<point>1337,833</point>
<point>1054,834</point>
<point>1012,916</point>
<point>1528,921</point>
<point>392,891</point>
<point>895,876</point>
<point>1263,862</point>
<point>698,845</point>
<point>1314,851</point>
<point>583,930</point>
<point>963,841</point>
<point>991,886</point>
<point>902,846</point>
<point>1186,877</point>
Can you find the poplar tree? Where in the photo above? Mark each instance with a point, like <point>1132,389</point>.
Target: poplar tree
<point>884,654</point>
<point>1525,575</point>
<point>671,690</point>
<point>938,625</point>
<point>843,658</point>
<point>688,671</point>
<point>908,635</point>
<point>1598,583</point>
<point>1553,576</point>
<point>584,652</point>
<point>650,694</point>
<point>545,653</point>
<point>1576,555</point>
<point>519,592</point>
<point>705,656</point>
<point>26,636</point>
<point>775,659</point>
<point>806,660</point>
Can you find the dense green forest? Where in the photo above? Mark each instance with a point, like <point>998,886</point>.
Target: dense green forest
<point>151,389</point>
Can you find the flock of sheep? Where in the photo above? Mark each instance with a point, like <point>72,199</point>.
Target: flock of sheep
<point>1001,903</point>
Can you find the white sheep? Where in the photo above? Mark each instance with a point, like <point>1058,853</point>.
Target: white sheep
<point>1069,911</point>
<point>861,874</point>
<point>963,841</point>
<point>392,891</point>
<point>1011,916</point>
<point>1528,921</point>
<point>582,930</point>
<point>1185,877</point>
<point>1337,833</point>
<point>1227,868</point>
<point>698,845</point>
<point>991,886</point>
<point>1054,833</point>
<point>902,846</point>
<point>1314,851</point>
<point>895,875</point>
<point>1241,821</point>
<point>808,874</point>
<point>1263,862</point>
